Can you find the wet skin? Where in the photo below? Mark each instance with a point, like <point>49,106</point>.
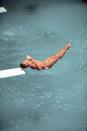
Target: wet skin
<point>45,64</point>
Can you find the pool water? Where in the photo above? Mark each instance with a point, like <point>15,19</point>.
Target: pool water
<point>51,100</point>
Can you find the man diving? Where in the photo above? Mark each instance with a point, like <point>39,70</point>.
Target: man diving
<point>45,64</point>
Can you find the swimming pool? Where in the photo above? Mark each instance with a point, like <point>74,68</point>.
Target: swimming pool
<point>51,100</point>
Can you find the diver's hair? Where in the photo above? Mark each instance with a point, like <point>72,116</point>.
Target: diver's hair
<point>22,66</point>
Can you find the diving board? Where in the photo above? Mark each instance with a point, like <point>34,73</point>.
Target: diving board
<point>11,72</point>
<point>3,9</point>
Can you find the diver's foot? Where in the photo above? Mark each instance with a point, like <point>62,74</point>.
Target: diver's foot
<point>68,46</point>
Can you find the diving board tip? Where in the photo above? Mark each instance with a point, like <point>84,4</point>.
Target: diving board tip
<point>11,72</point>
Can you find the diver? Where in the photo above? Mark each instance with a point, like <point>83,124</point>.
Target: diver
<point>45,64</point>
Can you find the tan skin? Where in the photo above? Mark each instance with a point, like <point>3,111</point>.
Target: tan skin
<point>45,64</point>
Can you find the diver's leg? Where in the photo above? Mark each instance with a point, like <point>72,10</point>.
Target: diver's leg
<point>50,61</point>
<point>59,54</point>
<point>62,52</point>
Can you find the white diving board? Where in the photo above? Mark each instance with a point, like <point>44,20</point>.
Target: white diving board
<point>3,9</point>
<point>11,72</point>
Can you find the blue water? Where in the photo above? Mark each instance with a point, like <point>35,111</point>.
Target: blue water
<point>51,100</point>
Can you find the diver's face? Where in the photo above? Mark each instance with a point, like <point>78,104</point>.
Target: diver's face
<point>27,62</point>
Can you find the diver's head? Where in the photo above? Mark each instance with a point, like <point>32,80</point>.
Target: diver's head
<point>26,62</point>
